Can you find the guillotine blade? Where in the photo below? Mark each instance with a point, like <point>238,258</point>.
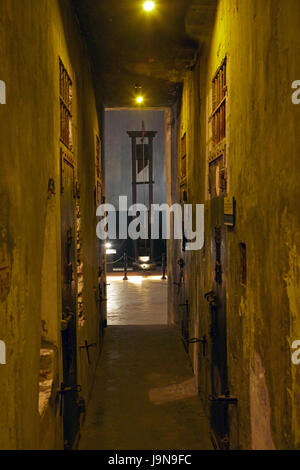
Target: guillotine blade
<point>142,156</point>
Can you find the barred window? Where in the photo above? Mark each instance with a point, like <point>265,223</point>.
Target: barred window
<point>66,101</point>
<point>183,158</point>
<point>98,170</point>
<point>217,155</point>
<point>98,157</point>
<point>219,104</point>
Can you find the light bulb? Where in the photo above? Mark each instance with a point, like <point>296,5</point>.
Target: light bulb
<point>149,6</point>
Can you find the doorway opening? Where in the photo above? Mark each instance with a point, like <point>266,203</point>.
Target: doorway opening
<point>135,156</point>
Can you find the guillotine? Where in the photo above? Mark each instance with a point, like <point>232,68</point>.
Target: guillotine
<point>142,183</point>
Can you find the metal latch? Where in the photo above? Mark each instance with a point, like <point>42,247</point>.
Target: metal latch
<point>67,318</point>
<point>211,298</point>
<point>226,399</point>
<point>202,340</point>
<point>87,347</point>
<point>186,305</point>
<point>63,390</point>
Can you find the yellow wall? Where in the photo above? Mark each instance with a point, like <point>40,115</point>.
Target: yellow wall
<point>31,42</point>
<point>263,151</point>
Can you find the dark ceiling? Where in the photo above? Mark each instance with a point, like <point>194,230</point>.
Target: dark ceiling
<point>129,46</point>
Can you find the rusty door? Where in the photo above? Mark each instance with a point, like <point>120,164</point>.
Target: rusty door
<point>69,388</point>
<point>218,331</point>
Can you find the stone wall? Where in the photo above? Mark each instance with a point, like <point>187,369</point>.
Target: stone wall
<point>31,43</point>
<point>262,144</point>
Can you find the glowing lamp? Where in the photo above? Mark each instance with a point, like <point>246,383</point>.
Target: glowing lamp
<point>144,259</point>
<point>139,99</point>
<point>149,6</point>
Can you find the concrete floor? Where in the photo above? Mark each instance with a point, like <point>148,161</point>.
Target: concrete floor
<point>144,395</point>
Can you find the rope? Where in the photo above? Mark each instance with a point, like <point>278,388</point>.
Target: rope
<point>116,261</point>
<point>155,259</point>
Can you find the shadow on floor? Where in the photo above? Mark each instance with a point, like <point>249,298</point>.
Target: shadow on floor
<point>145,394</point>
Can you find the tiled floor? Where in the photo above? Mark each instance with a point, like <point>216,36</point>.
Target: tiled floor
<point>142,300</point>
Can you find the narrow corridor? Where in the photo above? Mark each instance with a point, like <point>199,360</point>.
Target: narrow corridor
<point>144,396</point>
<point>149,139</point>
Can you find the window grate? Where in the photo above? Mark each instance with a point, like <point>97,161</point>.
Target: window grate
<point>219,104</point>
<point>98,170</point>
<point>183,158</point>
<point>217,158</point>
<point>66,104</point>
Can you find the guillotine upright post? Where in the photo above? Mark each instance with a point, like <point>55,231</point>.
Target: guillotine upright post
<point>150,135</point>
<point>134,189</point>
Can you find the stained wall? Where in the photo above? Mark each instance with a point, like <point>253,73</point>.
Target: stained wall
<point>30,308</point>
<point>262,50</point>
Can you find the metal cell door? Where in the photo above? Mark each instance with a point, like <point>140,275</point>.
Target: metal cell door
<point>68,394</point>
<point>217,303</point>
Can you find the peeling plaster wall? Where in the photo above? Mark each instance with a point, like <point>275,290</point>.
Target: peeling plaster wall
<point>31,43</point>
<point>262,48</point>
<point>260,407</point>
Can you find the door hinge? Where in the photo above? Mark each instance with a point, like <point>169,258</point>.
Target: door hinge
<point>63,391</point>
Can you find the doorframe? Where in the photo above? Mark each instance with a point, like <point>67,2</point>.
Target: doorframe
<point>66,157</point>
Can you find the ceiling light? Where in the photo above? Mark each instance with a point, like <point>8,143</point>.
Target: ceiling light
<point>149,6</point>
<point>139,99</point>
